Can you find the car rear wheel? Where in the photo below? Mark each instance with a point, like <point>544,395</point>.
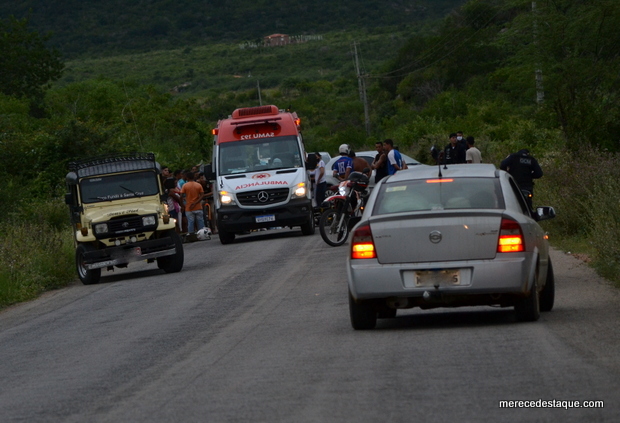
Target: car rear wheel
<point>88,277</point>
<point>528,309</point>
<point>363,314</point>
<point>547,295</point>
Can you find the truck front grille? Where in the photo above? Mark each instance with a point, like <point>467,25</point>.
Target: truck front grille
<point>125,224</point>
<point>263,197</point>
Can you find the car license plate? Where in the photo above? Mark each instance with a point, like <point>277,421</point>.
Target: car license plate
<point>437,277</point>
<point>266,218</point>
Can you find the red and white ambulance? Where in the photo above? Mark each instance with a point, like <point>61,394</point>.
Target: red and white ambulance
<point>259,171</point>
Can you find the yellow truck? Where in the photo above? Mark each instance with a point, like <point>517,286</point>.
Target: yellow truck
<point>119,215</point>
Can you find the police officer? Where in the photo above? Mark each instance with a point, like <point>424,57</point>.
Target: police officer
<point>524,168</point>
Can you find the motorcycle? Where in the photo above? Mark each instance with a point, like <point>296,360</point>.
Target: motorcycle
<point>343,209</point>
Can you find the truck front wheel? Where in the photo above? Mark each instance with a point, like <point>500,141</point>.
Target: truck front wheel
<point>173,263</point>
<point>308,227</point>
<point>226,237</point>
<point>88,277</point>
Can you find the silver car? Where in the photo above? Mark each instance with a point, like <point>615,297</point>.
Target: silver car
<point>447,237</point>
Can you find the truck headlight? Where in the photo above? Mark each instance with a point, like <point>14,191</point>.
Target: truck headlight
<point>148,221</point>
<point>300,190</point>
<point>225,197</point>
<point>101,228</point>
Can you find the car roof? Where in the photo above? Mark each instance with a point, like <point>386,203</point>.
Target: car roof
<point>373,153</point>
<point>452,171</point>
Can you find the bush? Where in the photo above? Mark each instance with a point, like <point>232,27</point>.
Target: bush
<point>34,257</point>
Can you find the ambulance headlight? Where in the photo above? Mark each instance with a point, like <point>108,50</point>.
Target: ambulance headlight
<point>300,190</point>
<point>225,197</point>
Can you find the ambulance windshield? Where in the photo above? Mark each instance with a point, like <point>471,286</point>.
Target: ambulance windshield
<point>260,154</point>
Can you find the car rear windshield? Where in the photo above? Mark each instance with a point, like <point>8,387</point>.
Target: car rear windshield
<point>439,194</point>
<point>118,187</point>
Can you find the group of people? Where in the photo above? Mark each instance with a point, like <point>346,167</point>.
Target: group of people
<point>190,199</point>
<point>521,165</point>
<point>388,161</point>
<point>461,150</point>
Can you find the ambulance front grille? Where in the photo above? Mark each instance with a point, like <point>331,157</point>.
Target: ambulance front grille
<point>263,197</point>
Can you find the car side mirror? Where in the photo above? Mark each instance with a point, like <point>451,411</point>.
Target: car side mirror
<point>434,153</point>
<point>69,199</point>
<point>544,213</point>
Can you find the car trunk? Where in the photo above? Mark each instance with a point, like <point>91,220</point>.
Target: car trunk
<point>438,236</point>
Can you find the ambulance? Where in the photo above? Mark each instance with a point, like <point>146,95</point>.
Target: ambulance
<point>259,174</point>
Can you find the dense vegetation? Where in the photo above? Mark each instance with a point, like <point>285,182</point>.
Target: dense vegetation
<point>474,71</point>
<point>95,28</point>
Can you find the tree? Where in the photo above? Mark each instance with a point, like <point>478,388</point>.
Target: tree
<point>27,66</point>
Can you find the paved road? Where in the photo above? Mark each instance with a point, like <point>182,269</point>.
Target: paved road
<point>259,331</point>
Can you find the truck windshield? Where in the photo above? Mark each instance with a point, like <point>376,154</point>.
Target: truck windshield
<point>117,187</point>
<point>261,154</point>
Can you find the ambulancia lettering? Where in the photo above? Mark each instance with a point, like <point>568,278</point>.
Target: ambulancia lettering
<point>256,136</point>
<point>256,184</point>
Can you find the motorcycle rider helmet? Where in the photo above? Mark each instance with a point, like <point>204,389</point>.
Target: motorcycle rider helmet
<point>344,148</point>
<point>204,234</point>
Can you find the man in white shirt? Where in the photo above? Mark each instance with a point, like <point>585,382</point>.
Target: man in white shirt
<point>320,181</point>
<point>472,155</point>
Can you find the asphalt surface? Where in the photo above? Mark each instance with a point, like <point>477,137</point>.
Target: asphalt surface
<point>259,331</point>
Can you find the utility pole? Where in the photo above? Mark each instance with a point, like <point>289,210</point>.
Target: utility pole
<point>540,89</point>
<point>260,101</point>
<point>362,88</point>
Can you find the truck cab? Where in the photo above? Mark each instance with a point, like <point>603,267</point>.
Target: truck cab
<point>259,171</point>
<point>119,215</point>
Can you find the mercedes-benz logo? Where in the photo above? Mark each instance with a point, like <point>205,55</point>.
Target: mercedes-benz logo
<point>125,225</point>
<point>435,237</point>
<point>263,197</point>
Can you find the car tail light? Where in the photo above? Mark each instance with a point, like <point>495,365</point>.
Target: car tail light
<point>510,237</point>
<point>362,245</point>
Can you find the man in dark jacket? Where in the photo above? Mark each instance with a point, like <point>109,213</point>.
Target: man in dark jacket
<point>454,153</point>
<point>524,168</point>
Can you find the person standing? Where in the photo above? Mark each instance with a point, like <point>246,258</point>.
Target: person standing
<point>173,202</point>
<point>320,181</point>
<point>524,168</point>
<point>379,164</point>
<point>344,165</point>
<point>461,139</point>
<point>454,153</point>
<point>394,159</point>
<point>472,155</point>
<point>359,164</point>
<point>193,194</point>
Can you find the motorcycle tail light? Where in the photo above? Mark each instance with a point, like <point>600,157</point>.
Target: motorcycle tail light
<point>362,245</point>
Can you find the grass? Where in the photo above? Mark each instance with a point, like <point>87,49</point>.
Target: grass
<point>34,257</point>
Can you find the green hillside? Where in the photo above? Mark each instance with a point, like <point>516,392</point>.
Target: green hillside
<point>230,66</point>
<point>95,28</point>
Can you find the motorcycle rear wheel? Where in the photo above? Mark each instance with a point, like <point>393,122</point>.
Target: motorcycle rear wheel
<point>328,227</point>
